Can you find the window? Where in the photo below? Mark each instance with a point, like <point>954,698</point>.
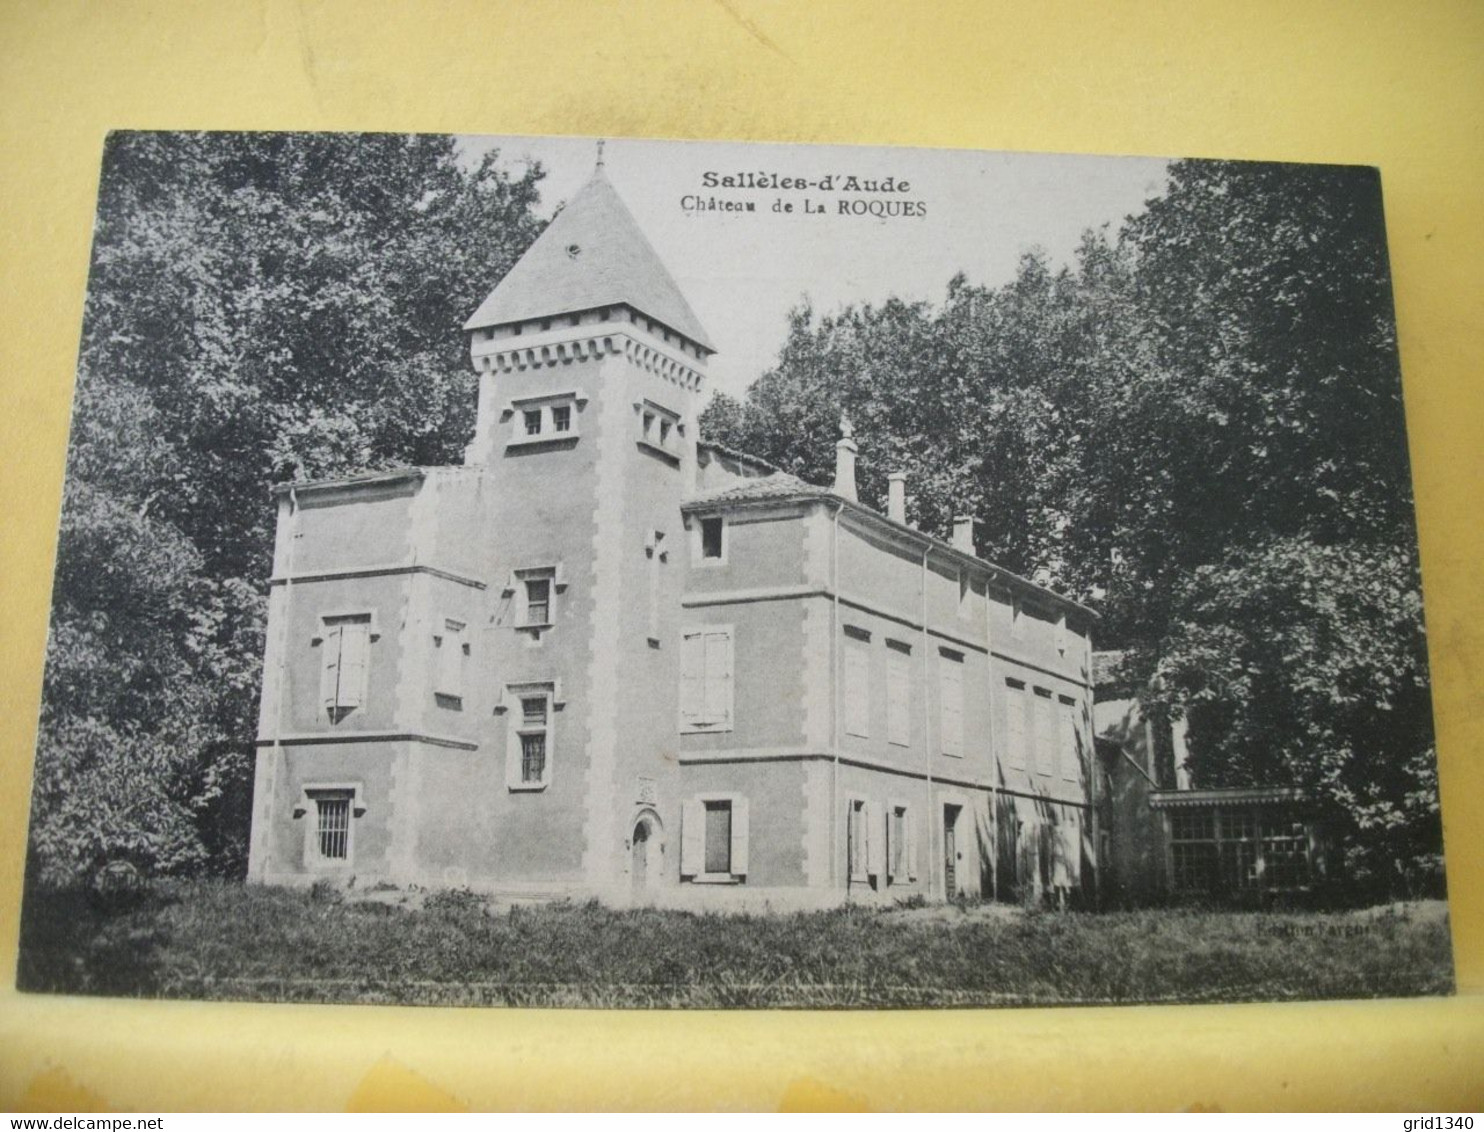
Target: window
<point>857,679</point>
<point>1068,743</point>
<point>951,701</point>
<point>533,727</point>
<point>451,646</point>
<point>1192,852</point>
<point>1045,710</point>
<point>1285,853</point>
<point>714,839</point>
<point>345,655</point>
<point>329,811</point>
<point>719,837</point>
<point>865,842</point>
<point>1239,856</point>
<point>899,693</point>
<point>533,593</point>
<point>706,679</point>
<point>332,834</point>
<point>660,430</point>
<point>710,541</point>
<point>1015,723</point>
<point>901,848</point>
<point>531,740</point>
<point>544,418</point>
<point>538,601</point>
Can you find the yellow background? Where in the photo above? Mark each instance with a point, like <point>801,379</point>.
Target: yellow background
<point>1398,85</point>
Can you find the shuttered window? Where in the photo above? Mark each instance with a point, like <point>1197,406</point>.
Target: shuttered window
<point>857,685</point>
<point>451,646</point>
<point>719,837</point>
<point>714,838</point>
<point>1015,726</point>
<point>1045,724</point>
<point>898,696</point>
<point>345,647</point>
<point>951,703</point>
<point>1067,742</point>
<point>706,679</point>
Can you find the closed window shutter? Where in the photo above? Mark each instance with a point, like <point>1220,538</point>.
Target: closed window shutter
<point>875,841</point>
<point>718,677</point>
<point>1071,758</point>
<point>857,690</point>
<point>329,673</point>
<point>354,646</point>
<point>951,686</point>
<point>898,706</point>
<point>1015,726</point>
<point>692,677</point>
<point>739,836</point>
<point>692,837</point>
<point>1044,738</point>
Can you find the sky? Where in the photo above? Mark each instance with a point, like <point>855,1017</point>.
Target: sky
<point>970,211</point>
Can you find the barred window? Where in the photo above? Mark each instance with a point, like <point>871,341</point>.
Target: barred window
<point>533,739</point>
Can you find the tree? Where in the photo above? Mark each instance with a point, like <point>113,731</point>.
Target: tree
<point>261,307</point>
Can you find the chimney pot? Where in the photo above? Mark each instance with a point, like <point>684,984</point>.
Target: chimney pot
<point>896,497</point>
<point>963,533</point>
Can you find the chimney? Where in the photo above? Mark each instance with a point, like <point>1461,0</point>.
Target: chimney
<point>845,450</point>
<point>896,497</point>
<point>963,533</point>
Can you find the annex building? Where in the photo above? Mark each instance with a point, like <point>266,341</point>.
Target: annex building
<point>604,657</point>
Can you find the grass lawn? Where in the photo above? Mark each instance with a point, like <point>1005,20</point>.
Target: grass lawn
<point>228,941</point>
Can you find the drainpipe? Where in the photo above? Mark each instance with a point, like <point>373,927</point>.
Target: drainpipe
<point>835,701</point>
<point>994,754</point>
<point>283,654</point>
<point>935,850</point>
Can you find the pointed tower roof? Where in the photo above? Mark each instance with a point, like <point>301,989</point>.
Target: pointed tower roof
<point>591,255</point>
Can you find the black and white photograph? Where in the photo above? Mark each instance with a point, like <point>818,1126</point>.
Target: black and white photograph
<point>520,571</point>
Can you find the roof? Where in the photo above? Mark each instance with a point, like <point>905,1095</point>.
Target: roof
<point>778,485</point>
<point>1212,797</point>
<point>591,255</point>
<point>781,486</point>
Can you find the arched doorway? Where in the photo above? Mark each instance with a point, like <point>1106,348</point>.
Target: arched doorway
<point>646,852</point>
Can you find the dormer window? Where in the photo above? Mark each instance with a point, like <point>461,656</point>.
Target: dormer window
<point>533,422</point>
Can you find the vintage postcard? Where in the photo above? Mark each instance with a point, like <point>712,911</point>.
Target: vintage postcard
<point>549,571</point>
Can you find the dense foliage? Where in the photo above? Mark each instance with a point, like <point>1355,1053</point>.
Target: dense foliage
<point>1196,428</point>
<point>261,307</point>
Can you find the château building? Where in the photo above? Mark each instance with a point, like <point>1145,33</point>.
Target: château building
<point>604,657</point>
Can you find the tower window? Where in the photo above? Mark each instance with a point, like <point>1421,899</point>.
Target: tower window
<point>561,418</point>
<point>538,601</point>
<point>533,422</point>
<point>531,739</point>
